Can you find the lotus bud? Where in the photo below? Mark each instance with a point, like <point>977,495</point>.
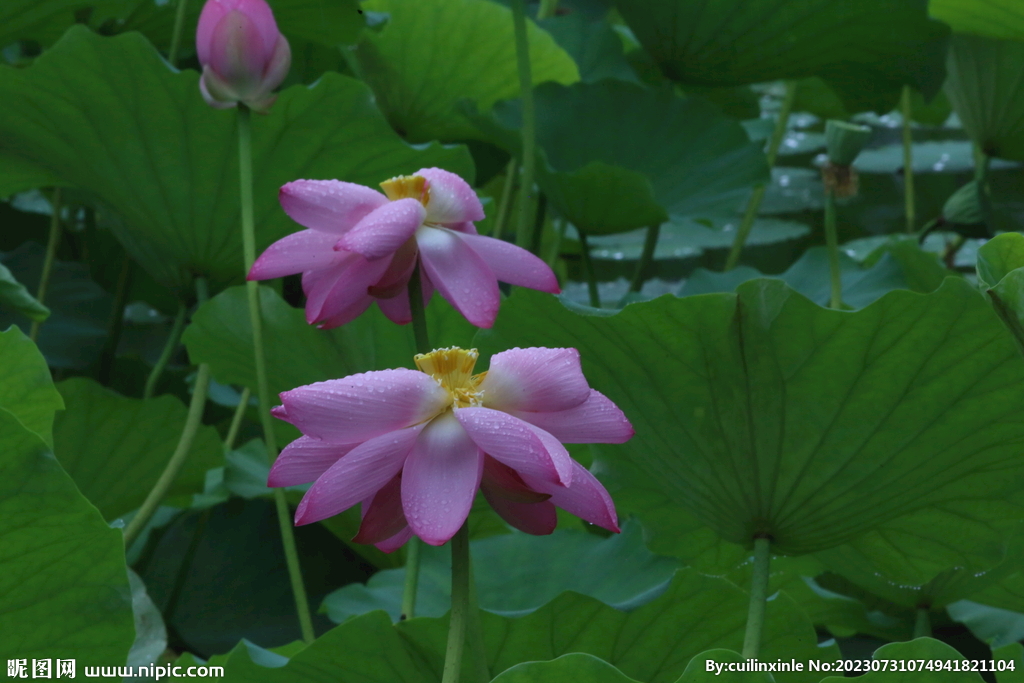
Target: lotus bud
<point>843,142</point>
<point>244,56</point>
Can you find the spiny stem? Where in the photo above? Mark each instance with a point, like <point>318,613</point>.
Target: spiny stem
<point>754,205</point>
<point>922,623</point>
<point>908,160</point>
<point>188,434</point>
<point>832,244</point>
<point>758,598</point>
<point>506,199</point>
<point>51,252</point>
<point>236,420</point>
<point>588,267</point>
<point>646,257</point>
<point>460,606</point>
<point>262,386</point>
<point>179,24</point>
<point>168,351</point>
<point>529,121</point>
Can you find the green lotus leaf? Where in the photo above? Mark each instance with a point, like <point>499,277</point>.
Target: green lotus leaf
<point>866,51</point>
<point>697,671</point>
<point>115,447</point>
<point>109,116</point>
<point>432,53</point>
<point>921,651</point>
<point>579,668</point>
<point>984,89</point>
<point>27,393</point>
<point>763,413</point>
<point>617,156</point>
<point>1003,19</point>
<point>14,296</point>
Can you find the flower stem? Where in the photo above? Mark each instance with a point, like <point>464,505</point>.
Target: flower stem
<point>832,242</point>
<point>116,323</point>
<point>922,623</point>
<point>646,257</point>
<point>412,548</point>
<point>179,24</point>
<point>754,205</point>
<point>538,224</point>
<point>982,163</point>
<point>236,420</point>
<point>506,199</point>
<point>262,387</point>
<point>475,631</point>
<point>51,251</point>
<point>529,120</point>
<point>460,606</point>
<point>758,598</point>
<point>588,267</point>
<point>556,247</point>
<point>168,351</point>
<point>908,160</point>
<point>188,434</point>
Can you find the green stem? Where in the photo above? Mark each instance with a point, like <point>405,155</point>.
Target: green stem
<point>646,257</point>
<point>51,251</point>
<point>922,624</point>
<point>188,435</point>
<point>538,224</point>
<point>165,356</point>
<point>754,205</point>
<point>116,322</point>
<point>460,606</point>
<point>412,548</point>
<point>179,24</point>
<point>547,9</point>
<point>506,199</point>
<point>529,122</point>
<point>588,267</point>
<point>236,420</point>
<point>557,246</point>
<point>758,598</point>
<point>262,386</point>
<point>476,631</point>
<point>908,161</point>
<point>982,164</point>
<point>832,243</point>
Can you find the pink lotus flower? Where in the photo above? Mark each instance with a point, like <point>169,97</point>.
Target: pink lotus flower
<point>244,56</point>
<point>414,447</point>
<point>361,246</point>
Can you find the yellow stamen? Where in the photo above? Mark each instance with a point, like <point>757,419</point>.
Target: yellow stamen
<point>407,187</point>
<point>453,370</point>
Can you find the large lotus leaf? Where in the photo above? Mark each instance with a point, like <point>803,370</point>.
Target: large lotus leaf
<point>63,585</point>
<point>702,669</point>
<point>593,45</point>
<point>1000,268</point>
<point>1011,652</point>
<point>579,668</point>
<point>990,18</point>
<point>41,20</point>
<point>672,156</point>
<point>14,296</point>
<point>432,53</point>
<point>18,175</point>
<point>920,651</point>
<point>984,88</point>
<point>994,625</point>
<point>115,447</point>
<point>109,116</point>
<point>518,573</point>
<point>652,644</point>
<point>763,413</point>
<point>26,392</point>
<point>866,50</point>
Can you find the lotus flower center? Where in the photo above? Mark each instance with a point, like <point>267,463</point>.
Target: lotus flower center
<point>452,368</point>
<point>407,187</point>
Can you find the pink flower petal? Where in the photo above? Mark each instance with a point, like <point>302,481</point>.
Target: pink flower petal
<point>328,205</point>
<point>277,67</point>
<point>297,253</point>
<point>539,519</point>
<point>440,480</point>
<point>357,476</point>
<point>459,274</point>
<point>384,230</point>
<point>364,406</point>
<point>596,420</point>
<point>517,444</point>
<point>213,12</point>
<point>399,272</point>
<point>535,379</point>
<point>382,514</point>
<point>346,315</point>
<point>318,284</point>
<point>237,53</point>
<point>397,309</point>
<point>215,91</point>
<point>304,460</point>
<point>513,264</point>
<point>452,200</point>
<point>395,542</point>
<point>505,482</point>
<point>350,288</point>
<point>586,497</point>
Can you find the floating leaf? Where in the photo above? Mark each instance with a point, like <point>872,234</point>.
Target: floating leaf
<point>115,447</point>
<point>109,116</point>
<point>432,53</point>
<point>865,50</point>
